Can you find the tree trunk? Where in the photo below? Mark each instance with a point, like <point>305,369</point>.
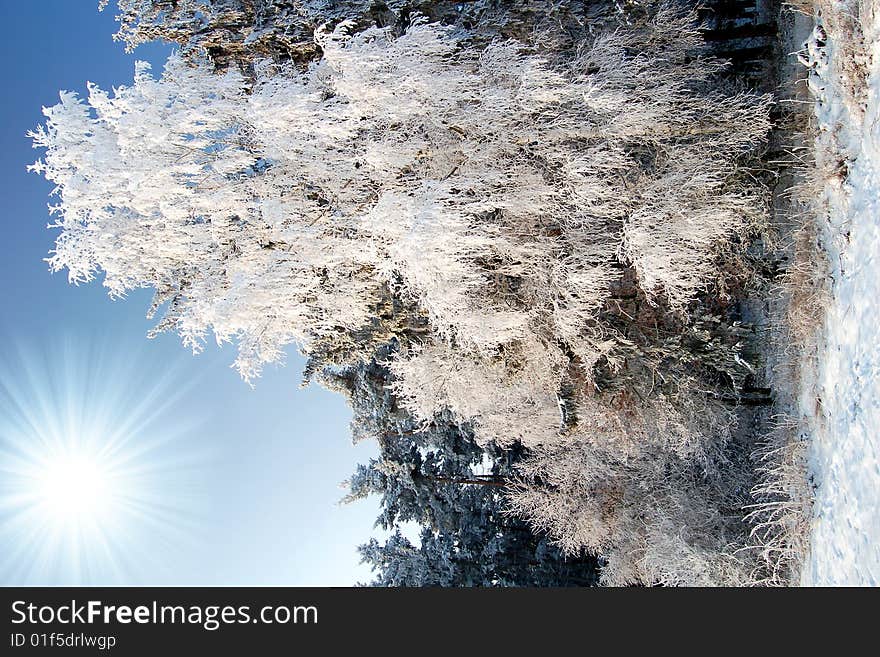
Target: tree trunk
<point>475,480</point>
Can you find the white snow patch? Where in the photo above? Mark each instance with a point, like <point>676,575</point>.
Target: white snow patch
<point>845,453</point>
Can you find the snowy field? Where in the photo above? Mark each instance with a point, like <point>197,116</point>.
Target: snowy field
<point>845,455</point>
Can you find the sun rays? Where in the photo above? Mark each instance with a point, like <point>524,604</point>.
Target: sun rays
<point>93,461</point>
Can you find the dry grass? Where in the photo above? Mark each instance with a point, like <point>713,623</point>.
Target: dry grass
<point>843,22</point>
<point>780,516</point>
<point>805,7</point>
<point>805,287</point>
<point>782,511</point>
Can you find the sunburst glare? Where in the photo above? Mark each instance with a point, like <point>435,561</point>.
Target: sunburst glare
<point>98,477</point>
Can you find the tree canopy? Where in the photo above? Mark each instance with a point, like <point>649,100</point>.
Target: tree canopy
<point>501,249</point>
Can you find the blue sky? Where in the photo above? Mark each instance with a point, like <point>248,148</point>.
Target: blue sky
<point>253,473</point>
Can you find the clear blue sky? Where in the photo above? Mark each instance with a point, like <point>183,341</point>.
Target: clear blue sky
<point>263,465</point>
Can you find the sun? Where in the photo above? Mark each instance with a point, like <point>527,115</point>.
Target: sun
<point>77,488</point>
<point>95,472</point>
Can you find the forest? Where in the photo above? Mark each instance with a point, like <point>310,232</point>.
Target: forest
<point>536,245</point>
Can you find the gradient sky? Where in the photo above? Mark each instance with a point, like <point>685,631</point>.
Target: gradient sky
<point>255,472</point>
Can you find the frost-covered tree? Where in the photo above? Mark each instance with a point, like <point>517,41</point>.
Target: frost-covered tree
<point>653,517</point>
<point>499,188</point>
<point>242,31</point>
<point>469,207</point>
<point>232,30</point>
<point>439,479</point>
<point>167,184</point>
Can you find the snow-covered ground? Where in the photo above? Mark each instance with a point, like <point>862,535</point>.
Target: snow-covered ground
<point>845,454</point>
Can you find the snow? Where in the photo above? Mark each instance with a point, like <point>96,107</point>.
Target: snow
<point>845,453</point>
